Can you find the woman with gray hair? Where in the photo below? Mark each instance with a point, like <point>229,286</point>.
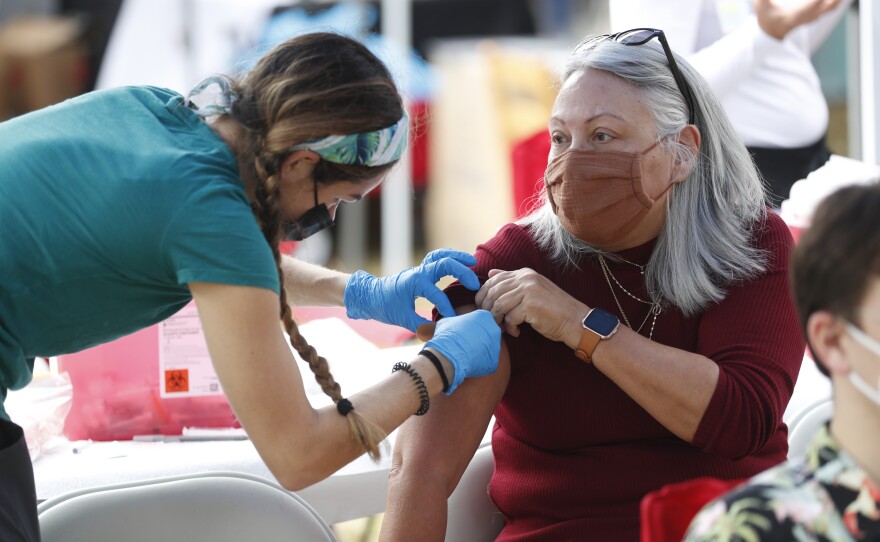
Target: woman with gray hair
<point>650,334</point>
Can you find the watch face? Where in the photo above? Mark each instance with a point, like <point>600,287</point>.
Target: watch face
<point>601,322</point>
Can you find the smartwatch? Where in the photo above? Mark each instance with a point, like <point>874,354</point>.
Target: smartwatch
<point>598,325</point>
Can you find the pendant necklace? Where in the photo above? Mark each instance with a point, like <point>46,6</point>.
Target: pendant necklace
<point>654,306</point>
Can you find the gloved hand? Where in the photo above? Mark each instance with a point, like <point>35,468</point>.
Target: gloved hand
<point>471,342</point>
<point>392,299</point>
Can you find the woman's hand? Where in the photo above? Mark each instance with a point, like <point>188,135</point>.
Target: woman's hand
<point>778,20</point>
<point>392,299</point>
<point>515,297</point>
<point>471,342</point>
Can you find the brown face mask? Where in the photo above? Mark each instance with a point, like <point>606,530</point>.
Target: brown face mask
<point>598,196</point>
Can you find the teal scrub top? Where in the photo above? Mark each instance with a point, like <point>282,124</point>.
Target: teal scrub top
<point>110,203</point>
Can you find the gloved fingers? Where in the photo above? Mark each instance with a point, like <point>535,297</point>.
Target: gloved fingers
<point>447,266</point>
<point>414,322</point>
<point>471,342</point>
<point>436,296</point>
<point>458,255</point>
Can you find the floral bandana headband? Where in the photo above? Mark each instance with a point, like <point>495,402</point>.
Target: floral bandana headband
<point>224,99</point>
<point>368,148</point>
<point>375,148</point>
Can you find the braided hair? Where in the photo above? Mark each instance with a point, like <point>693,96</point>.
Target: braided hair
<point>308,87</point>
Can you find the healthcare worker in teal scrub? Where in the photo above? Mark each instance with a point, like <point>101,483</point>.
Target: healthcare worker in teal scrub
<point>120,206</point>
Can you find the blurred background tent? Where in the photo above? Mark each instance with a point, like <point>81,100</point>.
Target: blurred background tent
<point>478,44</point>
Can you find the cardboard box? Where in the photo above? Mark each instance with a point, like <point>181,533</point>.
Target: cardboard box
<point>494,93</point>
<point>43,61</point>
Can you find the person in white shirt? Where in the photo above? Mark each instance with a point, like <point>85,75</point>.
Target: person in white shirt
<point>756,56</point>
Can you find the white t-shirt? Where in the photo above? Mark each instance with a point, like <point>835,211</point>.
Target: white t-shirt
<point>769,87</point>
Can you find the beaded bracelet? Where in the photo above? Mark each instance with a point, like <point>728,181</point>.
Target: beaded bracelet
<point>430,355</point>
<point>423,390</point>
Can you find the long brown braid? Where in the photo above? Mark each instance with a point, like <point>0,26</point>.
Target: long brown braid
<point>311,86</point>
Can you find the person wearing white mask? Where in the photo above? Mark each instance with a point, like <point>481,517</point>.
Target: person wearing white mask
<point>833,492</point>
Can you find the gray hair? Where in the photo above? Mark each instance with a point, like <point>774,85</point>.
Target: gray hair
<point>706,242</point>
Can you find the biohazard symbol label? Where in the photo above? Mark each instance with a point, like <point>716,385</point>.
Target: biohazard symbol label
<point>177,381</point>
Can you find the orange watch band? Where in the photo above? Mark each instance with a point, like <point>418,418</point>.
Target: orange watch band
<point>589,340</point>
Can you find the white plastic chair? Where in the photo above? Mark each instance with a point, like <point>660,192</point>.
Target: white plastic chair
<point>812,387</point>
<point>802,429</point>
<point>472,516</point>
<point>208,507</point>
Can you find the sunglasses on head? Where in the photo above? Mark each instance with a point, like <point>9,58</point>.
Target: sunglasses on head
<point>640,36</point>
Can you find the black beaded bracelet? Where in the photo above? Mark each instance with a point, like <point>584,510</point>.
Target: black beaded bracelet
<point>423,390</point>
<point>430,355</point>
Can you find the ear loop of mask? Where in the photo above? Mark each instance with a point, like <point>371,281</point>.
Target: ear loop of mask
<point>870,344</point>
<point>316,219</point>
<point>671,183</point>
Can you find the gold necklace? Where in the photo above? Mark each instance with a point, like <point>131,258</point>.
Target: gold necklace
<point>641,267</point>
<point>654,309</point>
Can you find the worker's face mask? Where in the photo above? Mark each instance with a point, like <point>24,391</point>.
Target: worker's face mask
<point>871,345</point>
<point>314,220</point>
<point>599,196</point>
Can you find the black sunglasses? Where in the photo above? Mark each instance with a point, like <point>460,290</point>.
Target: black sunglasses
<point>640,36</point>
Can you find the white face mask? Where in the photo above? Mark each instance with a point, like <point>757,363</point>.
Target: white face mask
<point>874,347</point>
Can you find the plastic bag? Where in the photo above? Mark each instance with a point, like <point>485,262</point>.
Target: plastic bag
<point>40,408</point>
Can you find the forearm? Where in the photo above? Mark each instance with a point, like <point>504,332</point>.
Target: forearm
<point>260,377</point>
<point>312,285</point>
<point>431,454</point>
<point>672,385</point>
<point>417,508</point>
<point>303,454</point>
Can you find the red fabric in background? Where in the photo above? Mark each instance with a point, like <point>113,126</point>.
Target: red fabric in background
<point>529,162</point>
<point>667,512</point>
<point>419,127</point>
<point>419,114</point>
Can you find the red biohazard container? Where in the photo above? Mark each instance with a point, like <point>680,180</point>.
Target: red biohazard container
<point>160,379</point>
<point>122,389</point>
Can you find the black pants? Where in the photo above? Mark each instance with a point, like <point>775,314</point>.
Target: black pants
<point>18,496</point>
<point>781,168</point>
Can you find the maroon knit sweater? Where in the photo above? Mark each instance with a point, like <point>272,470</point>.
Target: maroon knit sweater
<point>574,454</point>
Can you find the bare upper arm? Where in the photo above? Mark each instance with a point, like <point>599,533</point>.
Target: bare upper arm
<point>255,365</point>
<point>442,442</point>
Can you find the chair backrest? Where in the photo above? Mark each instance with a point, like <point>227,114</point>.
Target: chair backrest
<point>802,429</point>
<point>205,507</point>
<point>812,386</point>
<point>472,516</point>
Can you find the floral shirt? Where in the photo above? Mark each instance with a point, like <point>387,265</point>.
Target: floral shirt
<point>824,496</point>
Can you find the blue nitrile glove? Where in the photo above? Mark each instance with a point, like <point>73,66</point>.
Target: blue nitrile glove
<point>471,342</point>
<point>392,299</point>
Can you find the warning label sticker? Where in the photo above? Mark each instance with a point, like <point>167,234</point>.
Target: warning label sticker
<point>185,368</point>
<point>177,380</point>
